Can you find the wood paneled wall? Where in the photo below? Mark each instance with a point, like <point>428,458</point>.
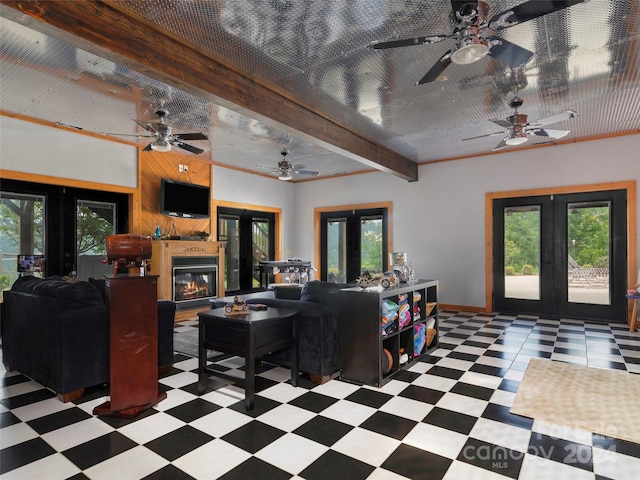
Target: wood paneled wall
<point>152,167</point>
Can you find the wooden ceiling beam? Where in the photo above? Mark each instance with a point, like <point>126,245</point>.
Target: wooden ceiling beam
<point>105,29</point>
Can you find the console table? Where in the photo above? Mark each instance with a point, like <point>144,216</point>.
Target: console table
<point>250,336</point>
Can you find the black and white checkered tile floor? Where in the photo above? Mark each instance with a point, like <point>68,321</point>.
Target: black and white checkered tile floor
<point>446,418</point>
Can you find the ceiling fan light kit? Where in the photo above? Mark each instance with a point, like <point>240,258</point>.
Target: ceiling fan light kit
<point>160,145</point>
<point>470,22</point>
<point>517,140</point>
<point>469,53</point>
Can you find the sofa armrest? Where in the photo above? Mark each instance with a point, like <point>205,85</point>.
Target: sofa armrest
<point>166,320</point>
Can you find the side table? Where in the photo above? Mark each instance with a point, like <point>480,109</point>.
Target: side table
<point>250,336</point>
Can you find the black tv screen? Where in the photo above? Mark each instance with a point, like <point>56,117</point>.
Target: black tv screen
<point>185,200</point>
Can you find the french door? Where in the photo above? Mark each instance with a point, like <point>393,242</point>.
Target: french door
<point>67,225</point>
<point>561,255</point>
<point>250,237</point>
<point>353,241</point>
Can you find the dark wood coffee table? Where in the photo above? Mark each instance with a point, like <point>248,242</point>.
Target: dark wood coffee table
<point>250,336</point>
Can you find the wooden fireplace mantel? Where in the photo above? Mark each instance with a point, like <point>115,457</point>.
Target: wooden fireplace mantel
<point>164,250</point>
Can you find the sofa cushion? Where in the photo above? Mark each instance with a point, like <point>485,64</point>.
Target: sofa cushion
<point>288,292</point>
<point>81,292</point>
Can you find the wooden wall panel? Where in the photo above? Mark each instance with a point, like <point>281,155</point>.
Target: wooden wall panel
<point>153,166</point>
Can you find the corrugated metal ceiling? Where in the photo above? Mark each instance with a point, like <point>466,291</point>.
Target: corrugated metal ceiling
<point>585,59</point>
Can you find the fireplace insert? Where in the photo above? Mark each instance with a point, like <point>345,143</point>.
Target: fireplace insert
<point>195,280</point>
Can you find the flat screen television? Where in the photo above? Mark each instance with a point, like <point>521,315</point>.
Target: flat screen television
<point>30,263</point>
<point>184,200</point>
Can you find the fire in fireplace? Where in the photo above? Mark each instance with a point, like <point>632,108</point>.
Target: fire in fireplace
<point>195,280</point>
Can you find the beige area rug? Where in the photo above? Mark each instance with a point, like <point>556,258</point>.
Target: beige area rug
<point>600,401</point>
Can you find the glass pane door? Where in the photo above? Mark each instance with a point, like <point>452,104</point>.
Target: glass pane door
<point>250,237</point>
<point>522,252</point>
<point>371,246</point>
<point>353,241</point>
<point>229,231</point>
<point>337,250</point>
<point>94,222</point>
<point>261,242</point>
<point>588,233</point>
<point>22,227</point>
<point>561,255</point>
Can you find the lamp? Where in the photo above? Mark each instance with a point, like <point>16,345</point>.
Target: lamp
<point>161,145</point>
<point>469,50</point>
<point>284,175</point>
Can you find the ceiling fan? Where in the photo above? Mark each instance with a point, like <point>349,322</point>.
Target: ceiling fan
<point>470,24</point>
<point>286,169</point>
<point>519,128</point>
<point>160,131</point>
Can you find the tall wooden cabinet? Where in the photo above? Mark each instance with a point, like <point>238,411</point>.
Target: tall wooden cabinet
<point>384,332</point>
<point>133,319</point>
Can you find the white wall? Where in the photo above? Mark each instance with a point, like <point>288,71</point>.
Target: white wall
<point>234,186</point>
<point>440,220</point>
<point>32,148</point>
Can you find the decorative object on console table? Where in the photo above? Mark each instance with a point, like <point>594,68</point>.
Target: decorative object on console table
<point>133,318</point>
<point>370,325</point>
<point>238,307</point>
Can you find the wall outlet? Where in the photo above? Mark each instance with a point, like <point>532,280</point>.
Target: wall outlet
<point>183,168</point>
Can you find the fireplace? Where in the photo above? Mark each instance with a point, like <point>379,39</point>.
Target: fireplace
<point>195,280</point>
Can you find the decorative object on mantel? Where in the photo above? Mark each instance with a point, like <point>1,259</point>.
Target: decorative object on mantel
<point>238,307</point>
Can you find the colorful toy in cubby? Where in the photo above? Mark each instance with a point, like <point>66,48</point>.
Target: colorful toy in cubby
<point>404,311</point>
<point>389,314</point>
<point>419,338</point>
<point>417,296</point>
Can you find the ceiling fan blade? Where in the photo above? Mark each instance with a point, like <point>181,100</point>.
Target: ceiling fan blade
<point>528,11</point>
<point>501,122</point>
<point>546,132</point>
<point>437,69</point>
<point>147,148</point>
<point>558,117</point>
<point>185,146</point>
<point>501,145</point>
<point>145,125</point>
<point>192,136</point>
<point>407,42</point>
<point>508,53</point>
<point>127,135</point>
<point>307,172</point>
<point>483,136</point>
